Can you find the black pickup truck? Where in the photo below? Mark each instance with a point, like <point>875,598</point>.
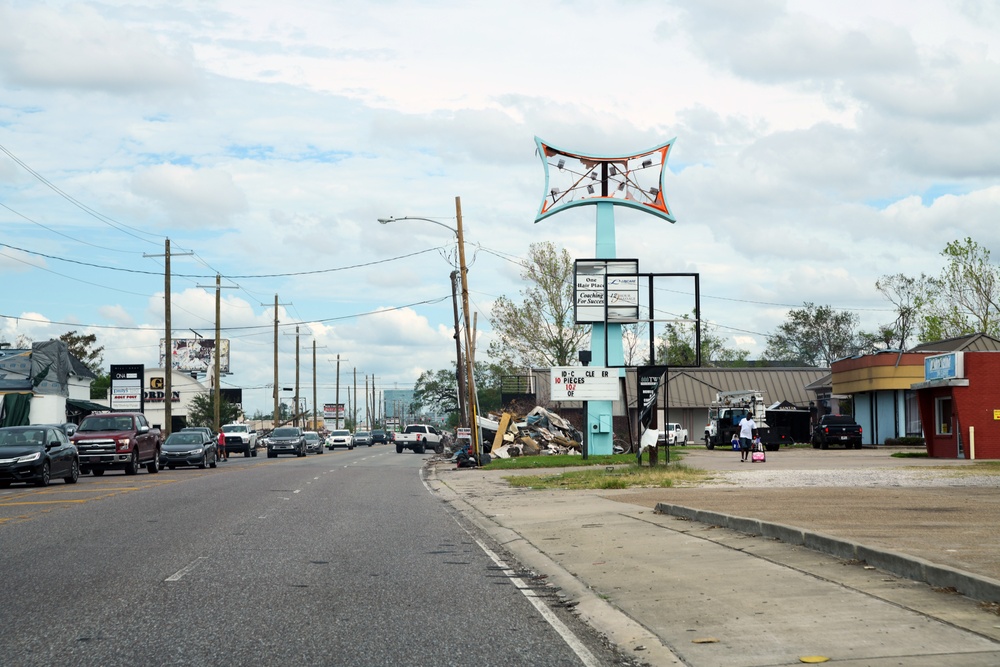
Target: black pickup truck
<point>836,430</point>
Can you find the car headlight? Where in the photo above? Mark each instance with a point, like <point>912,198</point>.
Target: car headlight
<point>196,451</point>
<point>27,458</point>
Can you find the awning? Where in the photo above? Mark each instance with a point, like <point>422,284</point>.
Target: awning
<point>85,406</point>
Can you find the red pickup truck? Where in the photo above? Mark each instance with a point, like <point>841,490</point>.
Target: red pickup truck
<point>117,441</point>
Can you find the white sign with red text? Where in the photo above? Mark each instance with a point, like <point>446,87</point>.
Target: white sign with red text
<point>584,383</point>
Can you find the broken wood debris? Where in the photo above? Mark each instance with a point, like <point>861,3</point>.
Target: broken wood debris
<point>538,433</point>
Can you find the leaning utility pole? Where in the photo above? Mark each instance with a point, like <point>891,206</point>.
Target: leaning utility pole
<point>463,414</point>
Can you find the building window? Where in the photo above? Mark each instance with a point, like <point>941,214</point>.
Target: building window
<point>911,414</point>
<point>942,416</point>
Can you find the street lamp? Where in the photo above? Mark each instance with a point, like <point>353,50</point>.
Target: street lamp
<point>463,271</point>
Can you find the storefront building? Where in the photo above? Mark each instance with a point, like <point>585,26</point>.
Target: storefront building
<point>960,405</point>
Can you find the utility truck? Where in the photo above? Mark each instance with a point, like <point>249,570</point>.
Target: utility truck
<point>728,410</point>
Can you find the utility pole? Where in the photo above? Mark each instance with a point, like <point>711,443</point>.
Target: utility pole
<point>471,383</point>
<point>217,374</point>
<point>168,343</point>
<point>463,414</point>
<point>277,412</point>
<point>315,427</point>
<point>336,406</point>
<point>295,415</point>
<point>367,419</point>
<point>354,414</point>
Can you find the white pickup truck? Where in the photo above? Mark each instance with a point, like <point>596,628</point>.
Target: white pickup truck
<point>240,438</point>
<point>673,435</point>
<point>419,437</point>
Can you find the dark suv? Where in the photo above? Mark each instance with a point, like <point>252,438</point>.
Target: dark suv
<point>379,437</point>
<point>286,440</point>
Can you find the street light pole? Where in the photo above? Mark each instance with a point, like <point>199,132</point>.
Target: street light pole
<point>463,271</point>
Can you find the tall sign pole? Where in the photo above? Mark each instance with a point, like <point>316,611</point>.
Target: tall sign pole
<point>633,180</point>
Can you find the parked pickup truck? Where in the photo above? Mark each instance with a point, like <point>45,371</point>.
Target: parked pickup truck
<point>836,430</point>
<point>419,437</point>
<point>673,435</point>
<point>117,441</point>
<point>240,438</point>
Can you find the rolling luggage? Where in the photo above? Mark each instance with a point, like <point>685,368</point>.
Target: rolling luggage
<point>757,453</point>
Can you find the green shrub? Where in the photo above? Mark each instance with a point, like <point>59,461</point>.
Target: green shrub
<point>909,441</point>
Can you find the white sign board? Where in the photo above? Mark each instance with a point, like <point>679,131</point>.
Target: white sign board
<point>606,290</point>
<point>584,383</point>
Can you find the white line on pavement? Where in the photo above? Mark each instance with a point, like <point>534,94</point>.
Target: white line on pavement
<point>176,576</point>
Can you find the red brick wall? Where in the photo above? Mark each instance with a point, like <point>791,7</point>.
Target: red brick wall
<point>972,406</point>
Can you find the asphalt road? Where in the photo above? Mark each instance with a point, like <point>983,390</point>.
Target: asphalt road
<point>345,558</point>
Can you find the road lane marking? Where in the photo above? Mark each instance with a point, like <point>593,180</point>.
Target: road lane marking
<point>43,502</point>
<point>574,643</point>
<point>176,576</point>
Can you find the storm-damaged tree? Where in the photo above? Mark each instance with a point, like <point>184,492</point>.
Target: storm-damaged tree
<point>965,298</point>
<point>814,336</point>
<point>907,296</point>
<point>676,346</point>
<point>541,330</point>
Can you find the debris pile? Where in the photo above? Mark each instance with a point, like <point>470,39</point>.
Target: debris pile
<point>540,432</point>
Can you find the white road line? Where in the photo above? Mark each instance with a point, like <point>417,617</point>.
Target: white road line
<point>297,491</point>
<point>574,643</point>
<point>176,576</point>
<point>582,652</point>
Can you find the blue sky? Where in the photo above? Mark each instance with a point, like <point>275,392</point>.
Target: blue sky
<point>818,147</point>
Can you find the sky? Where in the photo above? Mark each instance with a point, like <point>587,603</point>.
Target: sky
<point>818,146</point>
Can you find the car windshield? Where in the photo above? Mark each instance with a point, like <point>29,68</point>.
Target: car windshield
<point>189,438</point>
<point>312,436</point>
<point>361,434</point>
<point>106,424</point>
<point>234,428</point>
<point>285,433</point>
<point>22,437</point>
<point>341,433</point>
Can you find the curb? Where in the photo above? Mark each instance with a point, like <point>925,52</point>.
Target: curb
<point>971,585</point>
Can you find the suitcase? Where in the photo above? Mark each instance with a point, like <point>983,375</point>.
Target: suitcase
<point>758,455</point>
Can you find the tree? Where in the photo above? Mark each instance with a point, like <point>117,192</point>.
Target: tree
<point>437,391</point>
<point>676,345</point>
<point>541,331</point>
<point>82,347</point>
<point>201,412</point>
<point>908,296</point>
<point>814,336</point>
<point>965,298</point>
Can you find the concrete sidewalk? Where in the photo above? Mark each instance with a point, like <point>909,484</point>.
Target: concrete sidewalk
<point>672,591</point>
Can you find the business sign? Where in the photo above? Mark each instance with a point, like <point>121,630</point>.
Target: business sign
<point>584,383</point>
<point>944,366</point>
<point>126,387</point>
<point>333,411</point>
<point>606,290</point>
<point>195,355</point>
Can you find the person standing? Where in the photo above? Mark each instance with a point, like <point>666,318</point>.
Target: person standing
<point>221,453</point>
<point>747,428</point>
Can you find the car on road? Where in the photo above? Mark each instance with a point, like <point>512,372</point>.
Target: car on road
<point>286,440</point>
<point>361,438</point>
<point>380,437</point>
<point>189,448</point>
<point>240,438</point>
<point>313,442</point>
<point>339,438</point>
<point>37,454</point>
